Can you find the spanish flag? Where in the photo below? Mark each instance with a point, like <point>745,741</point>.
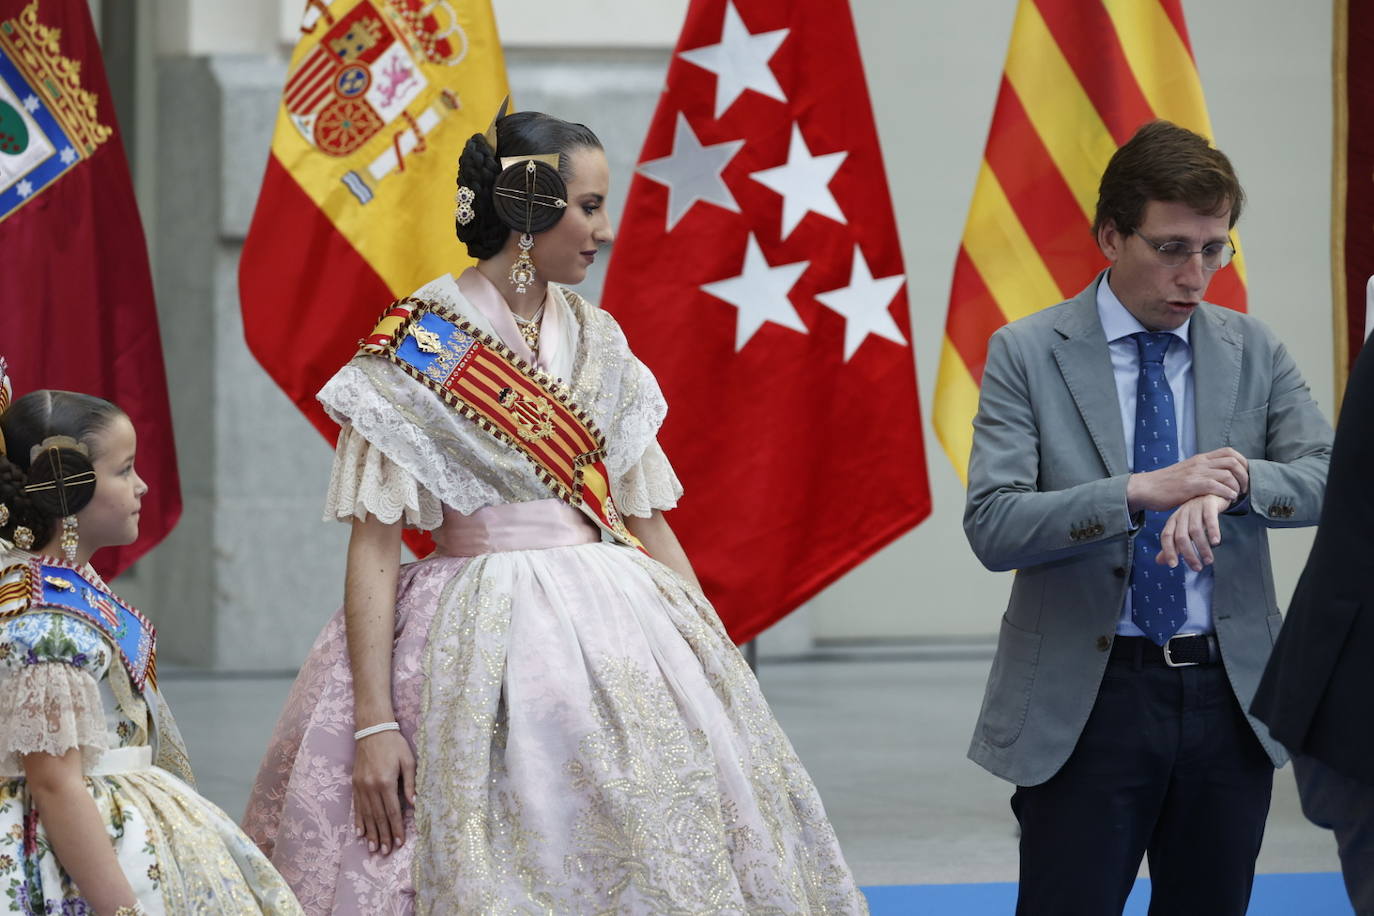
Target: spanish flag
<point>356,207</point>
<point>1081,76</point>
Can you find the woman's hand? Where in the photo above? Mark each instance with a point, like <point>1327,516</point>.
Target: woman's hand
<point>383,763</point>
<point>383,774</point>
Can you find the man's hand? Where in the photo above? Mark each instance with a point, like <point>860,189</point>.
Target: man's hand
<point>1191,533</point>
<point>1223,473</point>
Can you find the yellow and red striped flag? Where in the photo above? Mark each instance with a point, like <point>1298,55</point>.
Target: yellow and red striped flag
<point>356,207</point>
<point>1081,76</point>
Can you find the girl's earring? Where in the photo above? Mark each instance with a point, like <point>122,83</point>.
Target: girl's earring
<point>69,539</point>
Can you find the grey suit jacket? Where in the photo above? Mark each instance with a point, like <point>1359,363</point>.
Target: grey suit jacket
<point>1047,498</point>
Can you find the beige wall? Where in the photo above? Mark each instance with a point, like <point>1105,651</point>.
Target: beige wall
<point>933,72</point>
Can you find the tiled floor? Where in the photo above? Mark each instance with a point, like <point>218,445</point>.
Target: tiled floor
<point>883,733</point>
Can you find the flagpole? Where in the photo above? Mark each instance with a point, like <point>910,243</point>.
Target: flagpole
<point>751,655</point>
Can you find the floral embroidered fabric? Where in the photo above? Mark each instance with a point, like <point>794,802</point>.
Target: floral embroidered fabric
<point>588,739</point>
<point>61,687</point>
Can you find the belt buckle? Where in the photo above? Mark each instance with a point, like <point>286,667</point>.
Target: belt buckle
<point>1168,656</point>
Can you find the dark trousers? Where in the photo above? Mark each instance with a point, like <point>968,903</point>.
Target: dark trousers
<point>1168,767</point>
<point>1345,806</point>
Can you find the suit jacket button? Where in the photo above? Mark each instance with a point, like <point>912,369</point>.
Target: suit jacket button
<point>1103,644</point>
<point>1097,531</point>
<point>1276,510</point>
<point>1119,572</point>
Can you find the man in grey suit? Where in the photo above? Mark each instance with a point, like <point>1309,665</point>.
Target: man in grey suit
<point>1131,448</point>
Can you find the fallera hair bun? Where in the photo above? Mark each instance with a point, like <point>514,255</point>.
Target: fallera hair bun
<point>530,196</point>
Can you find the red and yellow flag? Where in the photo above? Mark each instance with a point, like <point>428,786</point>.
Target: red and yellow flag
<point>356,207</point>
<point>1081,76</point>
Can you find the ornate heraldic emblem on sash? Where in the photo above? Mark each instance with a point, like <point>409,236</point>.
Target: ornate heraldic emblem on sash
<point>36,585</point>
<point>48,123</point>
<point>482,380</point>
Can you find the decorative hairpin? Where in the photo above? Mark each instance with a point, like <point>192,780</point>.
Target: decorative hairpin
<point>464,214</point>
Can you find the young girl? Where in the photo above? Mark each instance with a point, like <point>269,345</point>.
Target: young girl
<point>546,715</point>
<point>96,815</point>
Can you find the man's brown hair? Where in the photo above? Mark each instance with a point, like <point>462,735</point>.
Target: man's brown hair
<point>1166,162</point>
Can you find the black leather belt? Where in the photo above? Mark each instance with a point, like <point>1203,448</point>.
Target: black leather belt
<point>1179,652</point>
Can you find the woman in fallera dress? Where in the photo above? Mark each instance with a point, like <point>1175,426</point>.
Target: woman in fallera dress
<point>545,715</point>
<point>97,815</point>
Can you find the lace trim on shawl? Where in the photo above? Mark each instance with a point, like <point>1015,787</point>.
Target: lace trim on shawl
<point>618,390</point>
<point>51,708</point>
<point>464,467</point>
<point>649,485</point>
<point>364,481</point>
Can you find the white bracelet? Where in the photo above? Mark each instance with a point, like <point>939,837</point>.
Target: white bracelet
<point>362,733</point>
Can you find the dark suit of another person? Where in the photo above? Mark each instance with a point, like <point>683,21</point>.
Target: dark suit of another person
<point>1317,695</point>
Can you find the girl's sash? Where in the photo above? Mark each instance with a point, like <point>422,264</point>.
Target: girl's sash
<point>65,590</point>
<point>520,406</point>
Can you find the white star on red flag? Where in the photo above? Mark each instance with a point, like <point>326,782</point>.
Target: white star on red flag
<point>739,61</point>
<point>794,421</point>
<point>803,182</point>
<point>760,292</point>
<point>866,305</point>
<point>692,171</point>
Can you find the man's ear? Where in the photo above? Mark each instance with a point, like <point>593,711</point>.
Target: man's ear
<point>1110,241</point>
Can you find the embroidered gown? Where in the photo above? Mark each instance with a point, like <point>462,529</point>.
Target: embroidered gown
<point>588,739</point>
<point>63,686</point>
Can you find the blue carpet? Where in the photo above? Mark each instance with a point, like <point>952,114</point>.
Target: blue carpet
<point>1313,894</point>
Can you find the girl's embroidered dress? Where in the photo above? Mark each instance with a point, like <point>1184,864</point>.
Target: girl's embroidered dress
<point>588,738</point>
<point>63,685</point>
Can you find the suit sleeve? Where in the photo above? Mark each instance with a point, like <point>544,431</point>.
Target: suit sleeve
<point>1286,486</point>
<point>1010,523</point>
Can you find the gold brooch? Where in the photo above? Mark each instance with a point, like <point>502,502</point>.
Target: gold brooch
<point>427,341</point>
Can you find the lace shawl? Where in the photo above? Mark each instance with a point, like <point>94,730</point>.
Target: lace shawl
<point>403,452</point>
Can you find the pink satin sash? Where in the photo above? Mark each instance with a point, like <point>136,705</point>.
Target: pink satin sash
<point>534,525</point>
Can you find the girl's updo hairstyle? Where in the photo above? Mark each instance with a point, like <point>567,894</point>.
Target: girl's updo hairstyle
<point>525,133</point>
<point>46,471</point>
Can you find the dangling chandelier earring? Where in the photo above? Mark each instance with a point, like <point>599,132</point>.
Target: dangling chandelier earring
<point>69,539</point>
<point>522,271</point>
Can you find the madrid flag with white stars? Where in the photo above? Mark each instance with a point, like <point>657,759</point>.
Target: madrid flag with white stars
<point>758,273</point>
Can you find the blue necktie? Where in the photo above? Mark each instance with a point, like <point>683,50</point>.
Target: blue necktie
<point>1158,603</point>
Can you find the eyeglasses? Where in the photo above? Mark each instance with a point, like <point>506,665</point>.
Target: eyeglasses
<point>1175,254</point>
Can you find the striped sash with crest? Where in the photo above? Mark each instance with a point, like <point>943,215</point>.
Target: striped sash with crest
<point>36,585</point>
<point>520,406</point>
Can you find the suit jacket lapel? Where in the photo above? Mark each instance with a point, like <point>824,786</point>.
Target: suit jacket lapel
<point>1217,351</point>
<point>1086,365</point>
